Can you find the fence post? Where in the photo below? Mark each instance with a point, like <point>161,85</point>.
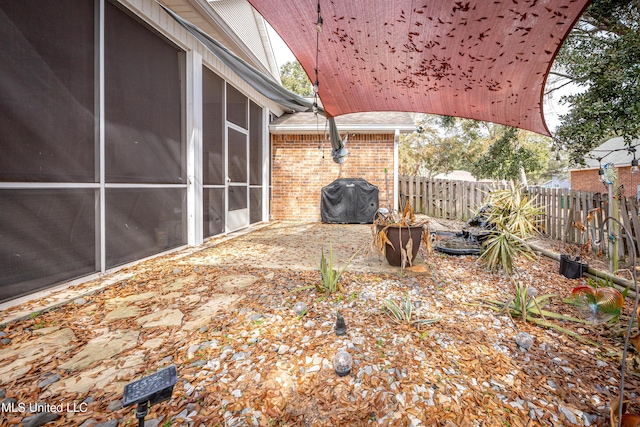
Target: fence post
<point>423,196</point>
<point>633,210</point>
<point>441,209</point>
<point>410,193</point>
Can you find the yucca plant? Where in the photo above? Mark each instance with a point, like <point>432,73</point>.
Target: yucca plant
<point>402,312</point>
<point>330,277</point>
<point>501,249</point>
<point>513,218</point>
<point>525,304</point>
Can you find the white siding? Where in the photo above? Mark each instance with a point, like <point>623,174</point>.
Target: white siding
<point>249,26</point>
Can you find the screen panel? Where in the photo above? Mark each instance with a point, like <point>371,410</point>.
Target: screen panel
<point>214,214</point>
<point>255,205</point>
<point>236,107</point>
<point>255,144</point>
<point>237,197</point>
<point>143,103</point>
<point>47,237</point>
<point>213,128</point>
<point>142,222</point>
<point>237,156</point>
<point>47,91</point>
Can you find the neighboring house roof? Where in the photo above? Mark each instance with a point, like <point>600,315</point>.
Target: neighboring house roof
<point>457,175</point>
<point>613,151</point>
<point>460,175</point>
<point>374,122</point>
<point>235,24</point>
<point>557,183</point>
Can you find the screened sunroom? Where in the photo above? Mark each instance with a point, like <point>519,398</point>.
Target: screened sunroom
<point>122,137</point>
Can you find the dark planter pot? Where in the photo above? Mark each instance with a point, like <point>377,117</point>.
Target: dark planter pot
<point>572,268</point>
<point>399,237</point>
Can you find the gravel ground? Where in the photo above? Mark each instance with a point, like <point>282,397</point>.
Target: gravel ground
<point>254,360</point>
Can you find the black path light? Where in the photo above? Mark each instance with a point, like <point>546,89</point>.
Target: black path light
<point>150,390</point>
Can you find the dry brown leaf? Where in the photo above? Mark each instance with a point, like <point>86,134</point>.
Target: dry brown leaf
<point>615,410</point>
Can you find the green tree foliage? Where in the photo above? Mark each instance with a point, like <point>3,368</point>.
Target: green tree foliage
<point>295,79</point>
<point>442,145</point>
<point>484,149</point>
<point>602,56</point>
<point>512,150</point>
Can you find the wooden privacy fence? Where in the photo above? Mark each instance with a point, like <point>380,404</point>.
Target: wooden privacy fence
<point>569,216</point>
<point>442,198</point>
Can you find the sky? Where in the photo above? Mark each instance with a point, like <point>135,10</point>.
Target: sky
<point>281,51</point>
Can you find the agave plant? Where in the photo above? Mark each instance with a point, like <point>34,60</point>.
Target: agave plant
<point>514,218</point>
<point>597,305</point>
<point>526,305</point>
<point>402,312</point>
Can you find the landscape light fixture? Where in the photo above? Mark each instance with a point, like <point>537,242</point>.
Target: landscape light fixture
<point>148,391</point>
<point>342,363</point>
<point>634,162</point>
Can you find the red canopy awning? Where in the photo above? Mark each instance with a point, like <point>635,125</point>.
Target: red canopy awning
<point>484,59</point>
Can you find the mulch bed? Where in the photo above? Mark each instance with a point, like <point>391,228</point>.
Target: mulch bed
<point>259,363</point>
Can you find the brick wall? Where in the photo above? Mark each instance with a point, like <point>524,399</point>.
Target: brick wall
<point>588,180</point>
<point>299,171</point>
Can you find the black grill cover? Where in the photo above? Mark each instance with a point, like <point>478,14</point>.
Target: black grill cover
<point>349,201</point>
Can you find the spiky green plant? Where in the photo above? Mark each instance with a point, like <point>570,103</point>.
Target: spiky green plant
<point>514,218</point>
<point>501,250</point>
<point>330,276</point>
<point>529,307</point>
<point>402,312</point>
<point>525,304</point>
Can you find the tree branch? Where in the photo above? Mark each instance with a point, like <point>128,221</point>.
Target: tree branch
<point>566,76</point>
<point>558,87</point>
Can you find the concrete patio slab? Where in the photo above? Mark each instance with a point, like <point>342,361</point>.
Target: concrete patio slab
<point>278,245</point>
